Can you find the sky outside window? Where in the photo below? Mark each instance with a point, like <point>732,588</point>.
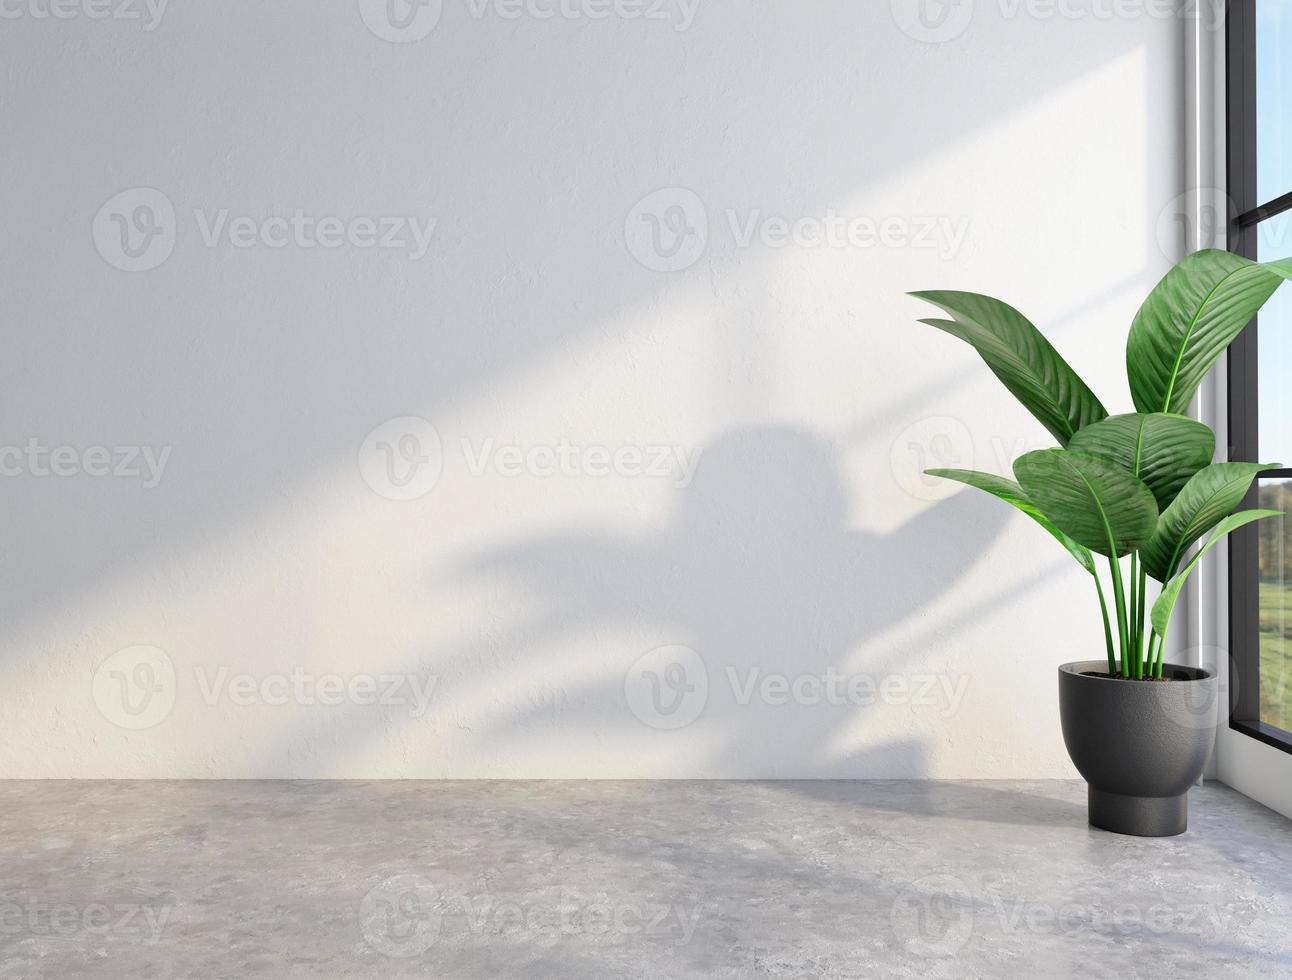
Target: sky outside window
<point>1274,178</point>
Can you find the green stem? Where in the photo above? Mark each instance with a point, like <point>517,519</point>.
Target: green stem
<point>1108,630</point>
<point>1132,612</point>
<point>1119,599</point>
<point>1141,655</point>
<point>1152,654</point>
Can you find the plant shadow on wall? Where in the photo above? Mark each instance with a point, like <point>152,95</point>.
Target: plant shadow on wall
<point>759,575</point>
<point>326,344</point>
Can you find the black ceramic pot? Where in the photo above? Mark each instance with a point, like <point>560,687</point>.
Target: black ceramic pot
<point>1139,744</point>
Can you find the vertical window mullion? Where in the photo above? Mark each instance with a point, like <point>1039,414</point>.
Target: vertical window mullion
<point>1244,571</point>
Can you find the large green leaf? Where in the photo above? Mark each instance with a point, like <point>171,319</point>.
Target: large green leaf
<point>1188,321</point>
<point>1162,450</point>
<point>1165,604</point>
<point>1211,495</point>
<point>1095,502</point>
<point>1012,494</point>
<point>1020,356</point>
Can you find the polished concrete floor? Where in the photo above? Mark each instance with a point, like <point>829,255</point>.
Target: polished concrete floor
<point>643,880</point>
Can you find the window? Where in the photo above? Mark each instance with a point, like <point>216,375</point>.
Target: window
<point>1259,70</point>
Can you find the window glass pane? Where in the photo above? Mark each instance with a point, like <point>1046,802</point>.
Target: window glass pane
<point>1273,99</point>
<point>1276,605</point>
<point>1274,349</point>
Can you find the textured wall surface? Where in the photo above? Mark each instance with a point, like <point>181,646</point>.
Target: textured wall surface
<point>494,389</point>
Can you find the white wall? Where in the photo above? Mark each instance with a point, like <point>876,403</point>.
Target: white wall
<point>268,555</point>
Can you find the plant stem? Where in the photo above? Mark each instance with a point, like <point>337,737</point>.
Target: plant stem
<point>1132,626</point>
<point>1108,630</point>
<point>1119,599</point>
<point>1154,649</point>
<point>1141,655</point>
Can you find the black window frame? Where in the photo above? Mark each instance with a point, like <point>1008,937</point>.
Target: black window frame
<point>1243,400</point>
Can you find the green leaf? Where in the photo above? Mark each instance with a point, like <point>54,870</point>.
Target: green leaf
<point>1189,320</point>
<point>1165,604</point>
<point>1020,356</point>
<point>1010,492</point>
<point>1211,495</point>
<point>1095,502</point>
<point>1162,450</point>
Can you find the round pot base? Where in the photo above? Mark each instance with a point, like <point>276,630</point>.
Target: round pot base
<point>1140,816</point>
<point>1139,746</point>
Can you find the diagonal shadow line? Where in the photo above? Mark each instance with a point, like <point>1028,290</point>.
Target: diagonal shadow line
<point>241,483</point>
<point>583,596</point>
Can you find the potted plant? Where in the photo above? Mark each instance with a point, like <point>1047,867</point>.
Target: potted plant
<point>1138,492</point>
